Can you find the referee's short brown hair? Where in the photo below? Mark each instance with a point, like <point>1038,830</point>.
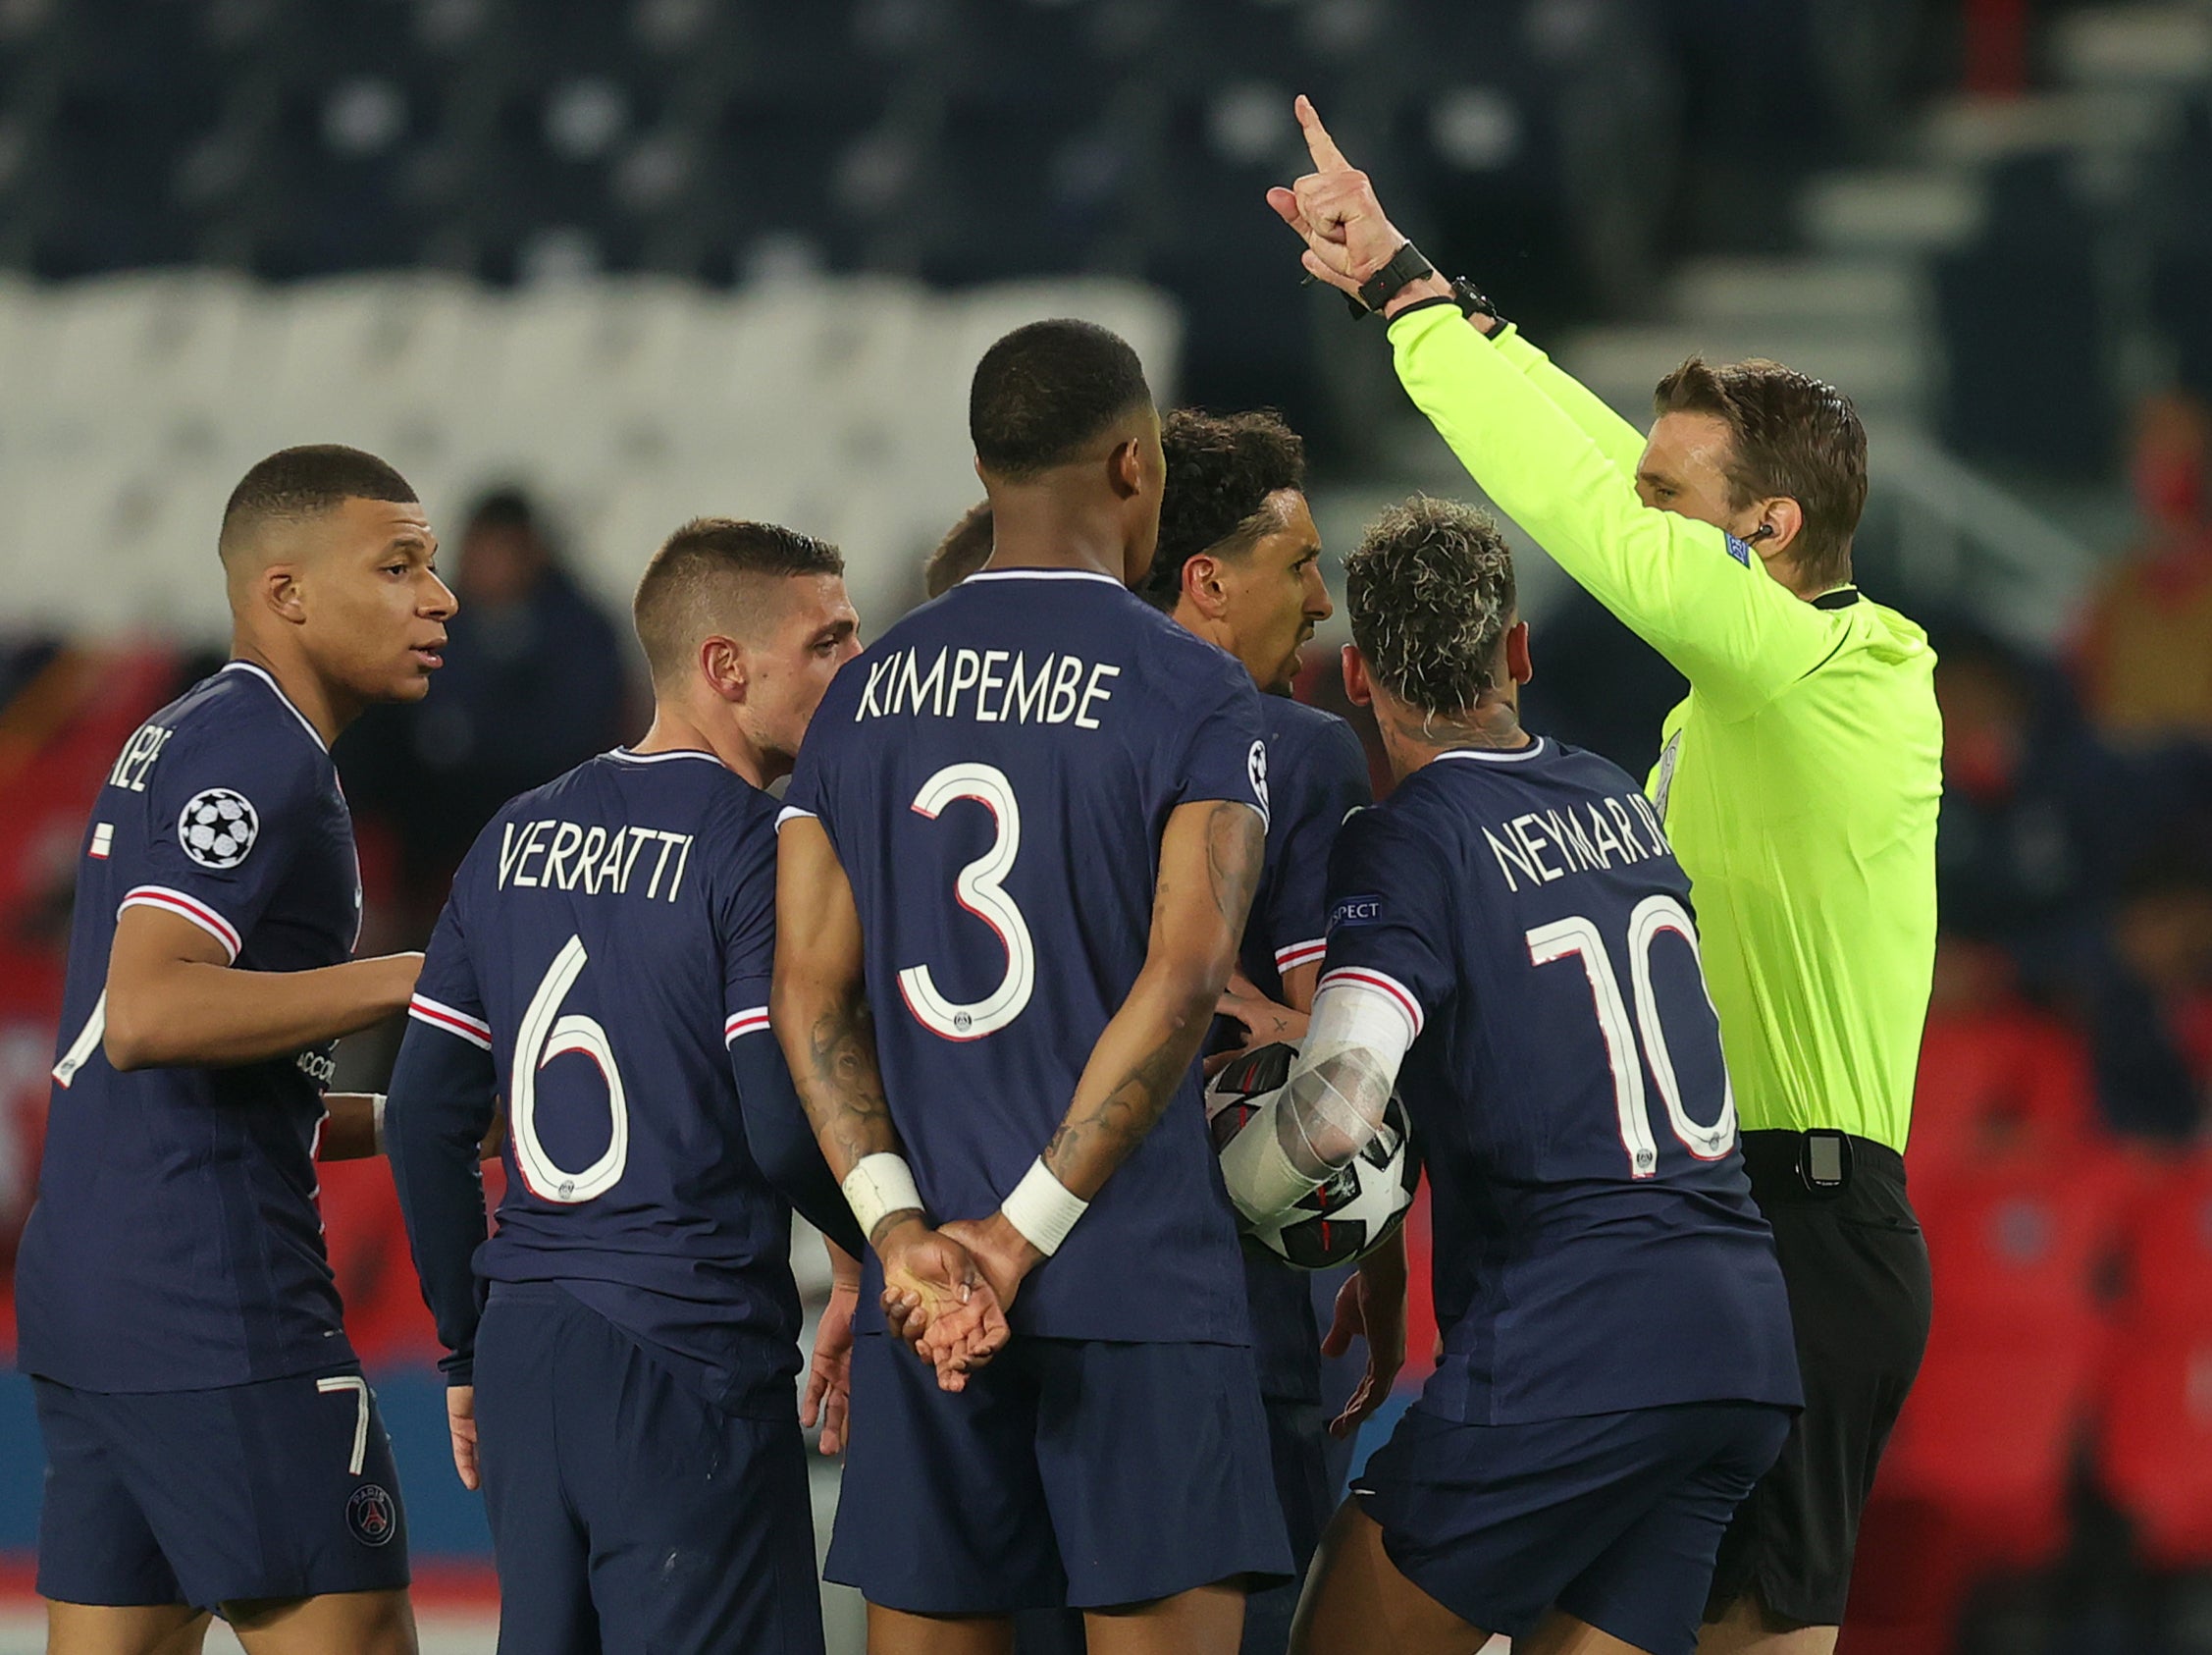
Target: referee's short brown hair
<point>1792,436</point>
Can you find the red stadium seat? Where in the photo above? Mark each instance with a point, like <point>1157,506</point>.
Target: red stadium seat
<point>2154,1451</point>
<point>1987,1437</point>
<point>2020,1239</point>
<point>1997,1081</point>
<point>2167,1279</point>
<point>384,1316</point>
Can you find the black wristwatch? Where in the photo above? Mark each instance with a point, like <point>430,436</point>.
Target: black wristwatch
<point>1408,265</point>
<point>1405,265</point>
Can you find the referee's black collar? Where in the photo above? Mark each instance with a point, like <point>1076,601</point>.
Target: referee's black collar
<point>1842,598</point>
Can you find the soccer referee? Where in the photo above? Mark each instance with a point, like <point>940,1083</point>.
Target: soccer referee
<point>1799,784</point>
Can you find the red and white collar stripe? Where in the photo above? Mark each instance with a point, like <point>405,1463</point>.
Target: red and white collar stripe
<point>186,907</point>
<point>439,1015</point>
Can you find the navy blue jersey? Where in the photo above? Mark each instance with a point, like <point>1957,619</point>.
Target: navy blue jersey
<point>995,774</point>
<point>1597,1248</point>
<point>1317,776</point>
<point>176,1245</point>
<point>1317,773</point>
<point>608,936</point>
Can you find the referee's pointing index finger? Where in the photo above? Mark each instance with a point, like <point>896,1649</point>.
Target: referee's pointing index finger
<point>1327,157</point>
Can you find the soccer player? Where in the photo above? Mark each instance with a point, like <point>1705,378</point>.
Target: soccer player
<point>1239,565</point>
<point>966,547</point>
<point>1016,862</point>
<point>1799,782</point>
<point>624,1387</point>
<point>1511,942</point>
<point>210,1441</point>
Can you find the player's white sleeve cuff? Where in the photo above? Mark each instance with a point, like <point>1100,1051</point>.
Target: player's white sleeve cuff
<point>1407,1003</point>
<point>186,907</point>
<point>474,1030</point>
<point>1296,954</point>
<point>792,812</point>
<point>751,1022</point>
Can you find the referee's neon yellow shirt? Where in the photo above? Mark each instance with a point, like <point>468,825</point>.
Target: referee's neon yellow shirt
<point>1799,782</point>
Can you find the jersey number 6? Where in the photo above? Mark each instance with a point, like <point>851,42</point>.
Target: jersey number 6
<point>547,1035</point>
<point>1576,935</point>
<point>979,893</point>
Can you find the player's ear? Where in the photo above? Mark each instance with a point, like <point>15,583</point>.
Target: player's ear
<point>1356,687</point>
<point>278,587</point>
<point>1520,666</point>
<point>722,663</point>
<point>1125,469</point>
<point>1201,584</point>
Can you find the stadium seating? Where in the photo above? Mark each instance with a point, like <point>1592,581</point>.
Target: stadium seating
<point>835,404</point>
<point>2154,1441</point>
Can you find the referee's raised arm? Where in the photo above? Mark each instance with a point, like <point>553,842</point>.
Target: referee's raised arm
<point>1798,785</point>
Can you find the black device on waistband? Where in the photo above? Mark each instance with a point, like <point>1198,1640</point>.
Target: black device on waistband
<point>1823,1162</point>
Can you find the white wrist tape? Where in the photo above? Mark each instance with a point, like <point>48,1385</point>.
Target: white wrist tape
<point>1042,1210</point>
<point>879,1185</point>
<point>376,1120</point>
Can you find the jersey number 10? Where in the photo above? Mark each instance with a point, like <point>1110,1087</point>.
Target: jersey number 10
<point>1580,937</point>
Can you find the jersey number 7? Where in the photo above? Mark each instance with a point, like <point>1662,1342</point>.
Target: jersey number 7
<point>1580,937</point>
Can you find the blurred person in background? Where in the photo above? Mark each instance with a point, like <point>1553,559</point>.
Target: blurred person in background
<point>2146,656</point>
<point>2032,860</point>
<point>544,687</point>
<point>2027,848</point>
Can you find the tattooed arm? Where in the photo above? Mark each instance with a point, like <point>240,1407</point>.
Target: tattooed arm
<point>817,1005</point>
<point>1209,865</point>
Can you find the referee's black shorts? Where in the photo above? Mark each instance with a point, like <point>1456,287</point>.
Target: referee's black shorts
<point>1855,1267</point>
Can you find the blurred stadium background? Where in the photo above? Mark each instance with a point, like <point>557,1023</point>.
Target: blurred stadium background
<point>582,268</point>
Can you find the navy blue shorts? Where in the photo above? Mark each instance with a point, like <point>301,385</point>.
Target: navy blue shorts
<point>1615,1517</point>
<point>627,1512</point>
<point>279,1489</point>
<point>1077,1472</point>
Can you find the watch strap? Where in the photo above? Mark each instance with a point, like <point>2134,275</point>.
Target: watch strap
<point>1405,265</point>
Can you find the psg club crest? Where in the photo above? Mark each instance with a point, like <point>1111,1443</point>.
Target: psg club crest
<point>218,828</point>
<point>372,1516</point>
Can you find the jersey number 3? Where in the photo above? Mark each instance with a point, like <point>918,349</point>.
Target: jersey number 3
<point>1578,936</point>
<point>980,891</point>
<point>548,1034</point>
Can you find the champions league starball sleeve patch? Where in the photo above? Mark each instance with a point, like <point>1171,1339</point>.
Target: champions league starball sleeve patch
<point>217,827</point>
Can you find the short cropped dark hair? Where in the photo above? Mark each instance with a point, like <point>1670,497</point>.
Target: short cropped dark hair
<point>1790,435</point>
<point>682,593</point>
<point>1430,590</point>
<point>294,484</point>
<point>1222,469</point>
<point>1047,391</point>
<point>966,547</point>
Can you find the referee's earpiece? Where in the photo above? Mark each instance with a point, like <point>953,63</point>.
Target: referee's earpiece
<point>1765,531</point>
